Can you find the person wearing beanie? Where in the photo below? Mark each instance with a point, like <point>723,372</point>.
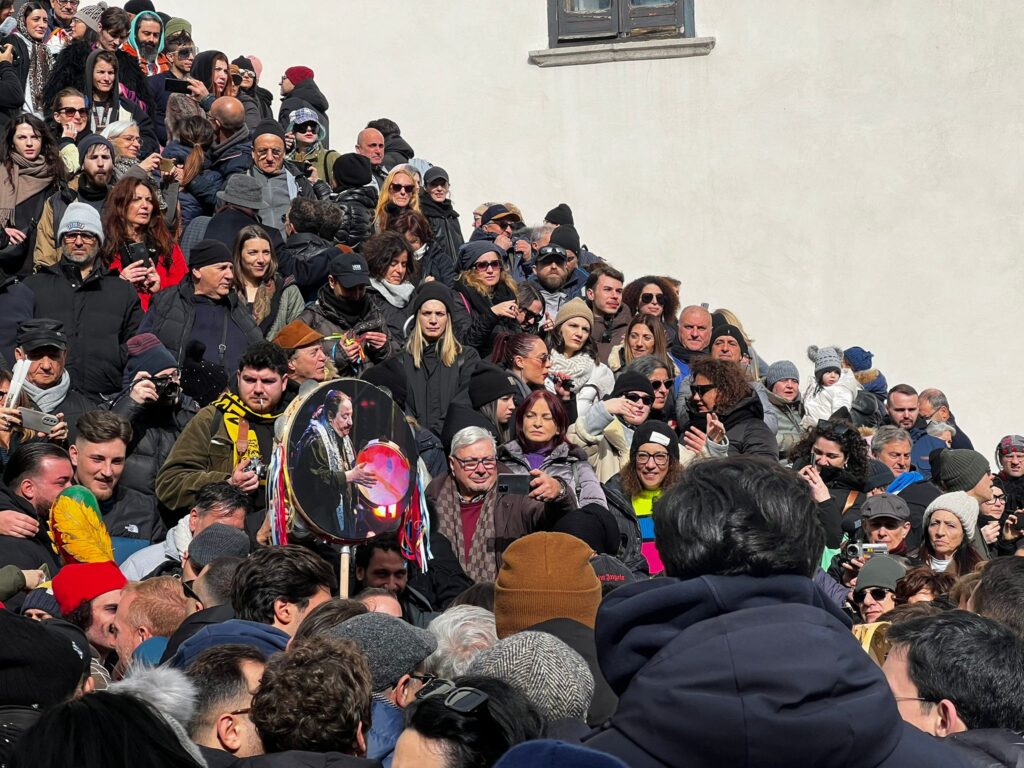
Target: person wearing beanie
<point>39,667</point>
<point>834,387</point>
<point>488,291</point>
<point>351,170</point>
<point>281,180</point>
<point>875,592</point>
<point>728,343</point>
<point>88,595</point>
<point>436,205</point>
<point>555,269</point>
<point>205,309</point>
<point>492,392</point>
<point>40,604</point>
<point>1009,457</point>
<point>950,523</point>
<point>396,652</point>
<point>257,101</point>
<point>560,215</point>
<point>99,319</point>
<point>546,584</point>
<point>300,91</point>
<point>965,470</point>
<point>550,674</point>
<point>782,382</point>
<point>357,195</point>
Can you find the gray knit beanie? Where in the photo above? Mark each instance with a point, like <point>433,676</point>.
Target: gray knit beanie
<point>783,369</point>
<point>960,504</point>
<point>962,469</point>
<point>550,674</point>
<point>90,16</point>
<point>825,359</point>
<point>393,647</point>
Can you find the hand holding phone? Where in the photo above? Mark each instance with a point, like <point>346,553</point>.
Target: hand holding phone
<point>516,485</point>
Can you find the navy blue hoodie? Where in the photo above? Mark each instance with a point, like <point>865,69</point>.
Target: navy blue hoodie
<point>730,671</point>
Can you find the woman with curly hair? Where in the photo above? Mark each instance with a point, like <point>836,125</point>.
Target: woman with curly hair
<point>922,585</point>
<point>720,391</point>
<point>399,192</point>
<point>138,245</point>
<point>833,459</point>
<point>645,335</point>
<point>655,296</point>
<point>488,292</point>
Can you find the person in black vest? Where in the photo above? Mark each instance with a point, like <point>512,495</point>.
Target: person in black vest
<point>204,309</point>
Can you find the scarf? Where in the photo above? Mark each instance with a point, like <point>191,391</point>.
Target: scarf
<point>261,305</point>
<point>328,438</point>
<point>396,295</point>
<point>48,400</point>
<point>40,61</point>
<point>579,367</point>
<point>26,179</point>
<point>342,312</point>
<point>481,565</point>
<point>236,413</point>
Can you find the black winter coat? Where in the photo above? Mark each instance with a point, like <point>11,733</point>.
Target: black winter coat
<point>746,671</point>
<point>444,223</point>
<point>630,537</point>
<point>395,316</point>
<point>154,430</point>
<point>306,94</point>
<point>357,205</point>
<point>306,258</point>
<point>12,93</point>
<point>433,387</point>
<point>99,315</point>
<point>74,405</point>
<point>27,554</point>
<point>26,218</point>
<point>16,304</point>
<point>323,318</point>
<point>989,747</point>
<point>68,72</point>
<point>172,315</point>
<point>484,324</point>
<point>745,428</point>
<point>132,515</point>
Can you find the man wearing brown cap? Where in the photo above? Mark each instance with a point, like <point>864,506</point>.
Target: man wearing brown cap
<point>307,360</point>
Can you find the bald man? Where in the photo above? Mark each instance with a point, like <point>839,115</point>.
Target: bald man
<point>232,149</point>
<point>370,144</point>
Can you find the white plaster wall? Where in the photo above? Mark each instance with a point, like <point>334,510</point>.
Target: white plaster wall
<point>834,172</point>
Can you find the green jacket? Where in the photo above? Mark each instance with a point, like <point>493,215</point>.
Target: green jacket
<point>199,457</point>
<point>12,581</point>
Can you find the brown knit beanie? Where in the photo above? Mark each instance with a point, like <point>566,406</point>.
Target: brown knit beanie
<point>545,576</point>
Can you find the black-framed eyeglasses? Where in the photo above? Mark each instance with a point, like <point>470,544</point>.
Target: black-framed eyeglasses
<point>463,700</point>
<point>656,298</point>
<point>1000,499</point>
<point>701,389</point>
<point>636,397</point>
<point>877,594</point>
<point>426,679</point>
<point>470,465</point>
<point>660,459</point>
<point>186,587</point>
<point>836,428</point>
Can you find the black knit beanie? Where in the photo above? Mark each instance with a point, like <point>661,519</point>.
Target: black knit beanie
<point>352,170</point>
<point>560,214</point>
<point>654,432</point>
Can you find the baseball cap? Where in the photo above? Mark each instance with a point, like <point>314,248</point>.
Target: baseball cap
<point>885,505</point>
<point>349,269</point>
<point>42,332</point>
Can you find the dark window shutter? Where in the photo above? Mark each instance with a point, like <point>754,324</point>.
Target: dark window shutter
<point>640,16</point>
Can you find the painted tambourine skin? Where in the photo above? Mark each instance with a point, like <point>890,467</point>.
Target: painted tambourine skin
<point>337,426</point>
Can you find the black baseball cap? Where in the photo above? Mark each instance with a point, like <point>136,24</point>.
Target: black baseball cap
<point>350,269</point>
<point>39,333</point>
<point>435,173</point>
<point>551,252</point>
<point>496,212</point>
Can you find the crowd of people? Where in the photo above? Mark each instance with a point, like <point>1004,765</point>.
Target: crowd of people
<point>646,544</point>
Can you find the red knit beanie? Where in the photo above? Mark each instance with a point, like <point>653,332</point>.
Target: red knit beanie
<point>77,582</point>
<point>298,74</point>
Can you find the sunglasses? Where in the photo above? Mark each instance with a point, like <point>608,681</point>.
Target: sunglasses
<point>542,359</point>
<point>658,384</point>
<point>484,266</point>
<point>701,389</point>
<point>555,253</point>
<point>463,700</point>
<point>185,53</point>
<point>71,111</point>
<point>437,183</point>
<point>655,298</point>
<point>877,594</point>
<point>407,188</point>
<point>634,397</point>
<point>186,587</point>
<point>309,127</point>
<point>530,317</point>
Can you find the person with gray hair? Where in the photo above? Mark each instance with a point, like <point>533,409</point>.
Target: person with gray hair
<point>942,430</point>
<point>470,512</point>
<point>462,632</point>
<point>891,445</point>
<point>933,407</point>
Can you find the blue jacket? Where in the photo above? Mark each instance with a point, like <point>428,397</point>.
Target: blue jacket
<point>742,671</point>
<point>388,724</point>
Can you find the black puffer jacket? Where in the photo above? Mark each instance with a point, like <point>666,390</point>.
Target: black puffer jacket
<point>357,205</point>
<point>306,258</point>
<point>154,430</point>
<point>444,223</point>
<point>132,515</point>
<point>433,387</point>
<point>323,317</point>
<point>99,315</point>
<point>745,428</point>
<point>484,324</point>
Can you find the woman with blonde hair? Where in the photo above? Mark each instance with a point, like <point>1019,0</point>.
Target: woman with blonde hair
<point>436,366</point>
<point>398,193</point>
<point>489,293</point>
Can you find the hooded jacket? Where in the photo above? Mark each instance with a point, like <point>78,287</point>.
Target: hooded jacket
<point>123,107</point>
<point>131,47</point>
<point>306,94</point>
<point>788,415</point>
<point>444,223</point>
<point>357,204</point>
<point>743,671</point>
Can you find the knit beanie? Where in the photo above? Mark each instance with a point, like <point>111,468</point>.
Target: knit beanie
<point>825,359</point>
<point>559,215</point>
<point>41,599</point>
<point>217,540</point>
<point>147,353</point>
<point>243,63</point>
<point>90,16</point>
<point>488,383</point>
<point>783,369</point>
<point>470,252</point>
<point>548,753</point>
<point>575,308</point>
<point>433,291</point>
<point>136,7</point>
<point>176,26</point>
<point>960,469</point>
<point>392,647</point>
<point>631,381</point>
<point>654,432</point>
<point>206,252</point>
<point>958,503</point>
<point>38,667</point>
<point>78,582</point>
<point>545,576</point>
<point>352,170</point>
<point>299,74</point>
<point>391,375</point>
<point>88,142</point>
<point>80,217</point>
<point>551,675</point>
<point>268,126</point>
<point>732,332</point>
<point>592,524</point>
<point>858,358</point>
<point>1009,444</point>
<point>566,236</point>
<point>879,476</point>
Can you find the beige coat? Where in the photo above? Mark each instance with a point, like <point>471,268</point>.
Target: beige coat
<point>608,452</point>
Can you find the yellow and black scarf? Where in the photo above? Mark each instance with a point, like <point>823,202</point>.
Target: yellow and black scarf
<point>237,418</point>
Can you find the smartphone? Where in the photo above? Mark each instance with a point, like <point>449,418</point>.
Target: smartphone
<point>38,422</point>
<point>174,85</point>
<point>699,421</point>
<point>517,485</point>
<point>136,252</point>
<point>166,165</point>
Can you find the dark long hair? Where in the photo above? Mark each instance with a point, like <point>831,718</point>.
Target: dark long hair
<point>115,224</point>
<point>48,149</point>
<point>844,434</point>
<point>965,559</point>
<point>556,341</point>
<point>631,295</point>
<point>557,413</point>
<point>245,234</point>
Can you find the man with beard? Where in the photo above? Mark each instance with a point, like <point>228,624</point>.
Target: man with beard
<point>145,41</point>
<point>902,411</point>
<point>559,283</point>
<point>98,456</point>
<point>355,332</point>
<point>1010,478</point>
<point>88,595</point>
<point>99,310</point>
<point>89,186</point>
<point>611,316</point>
<point>231,439</point>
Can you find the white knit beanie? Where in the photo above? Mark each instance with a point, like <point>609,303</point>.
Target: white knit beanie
<point>960,504</point>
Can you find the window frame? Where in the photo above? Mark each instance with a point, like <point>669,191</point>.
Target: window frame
<point>622,23</point>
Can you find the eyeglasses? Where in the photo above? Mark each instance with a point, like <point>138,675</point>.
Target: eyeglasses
<point>71,111</point>
<point>660,459</point>
<point>68,3</point>
<point>130,139</point>
<point>1001,499</point>
<point>407,188</point>
<point>701,389</point>
<point>425,679</point>
<point>272,151</point>
<point>877,594</point>
<point>834,427</point>
<point>85,237</point>
<point>185,52</point>
<point>470,465</point>
<point>310,127</point>
<point>636,397</point>
<point>656,298</point>
<point>913,698</point>
<point>186,587</point>
<point>246,73</point>
<point>485,266</point>
<point>463,700</point>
